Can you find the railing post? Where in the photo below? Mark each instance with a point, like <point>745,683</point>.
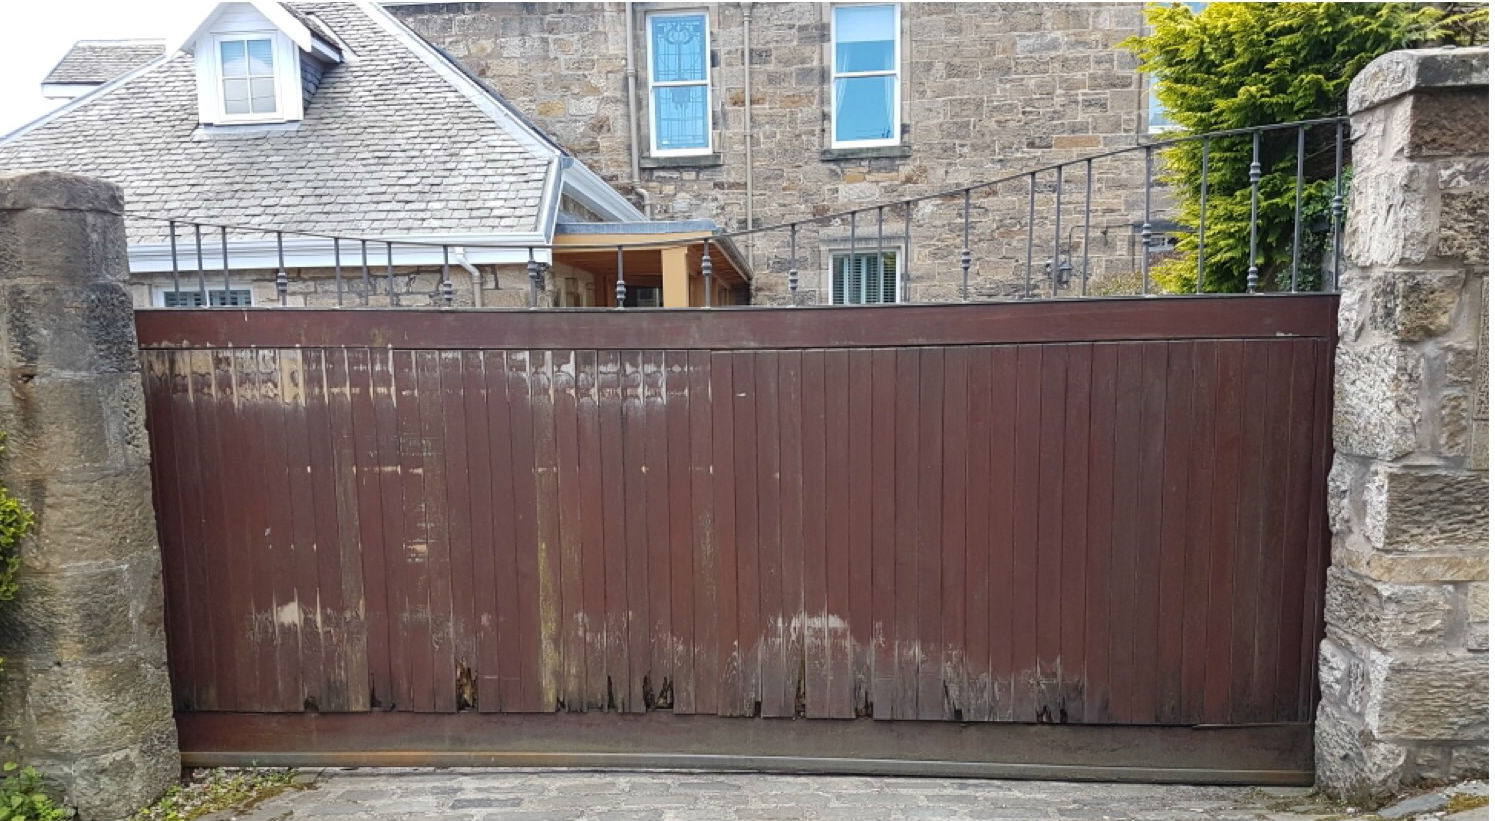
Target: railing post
<point>965,252</point>
<point>706,270</point>
<point>908,250</point>
<point>1336,206</point>
<point>1085,254</point>
<point>851,263</point>
<point>1203,211</point>
<point>879,255</point>
<point>620,291</point>
<point>1028,267</point>
<point>1298,211</point>
<point>337,269</point>
<point>202,276</point>
<point>793,265</point>
<point>1058,217</point>
<point>532,269</point>
<point>282,281</point>
<point>1146,219</point>
<point>447,293</point>
<point>176,277</point>
<point>1252,273</point>
<point>363,250</point>
<point>389,270</point>
<point>223,239</point>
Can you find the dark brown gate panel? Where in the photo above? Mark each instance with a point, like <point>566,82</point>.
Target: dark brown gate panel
<point>1105,512</point>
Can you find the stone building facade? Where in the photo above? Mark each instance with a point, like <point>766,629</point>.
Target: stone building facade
<point>983,90</point>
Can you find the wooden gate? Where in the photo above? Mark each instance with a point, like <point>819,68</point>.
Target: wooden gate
<point>401,528</point>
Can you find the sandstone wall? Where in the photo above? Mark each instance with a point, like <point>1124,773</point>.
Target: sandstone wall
<point>988,89</point>
<point>1405,667</point>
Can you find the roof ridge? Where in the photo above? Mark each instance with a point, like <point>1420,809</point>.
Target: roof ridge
<point>119,41</point>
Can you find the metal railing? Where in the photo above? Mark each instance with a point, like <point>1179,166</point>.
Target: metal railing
<point>1056,273</point>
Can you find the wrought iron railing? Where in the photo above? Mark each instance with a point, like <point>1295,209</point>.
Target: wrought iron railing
<point>784,241</point>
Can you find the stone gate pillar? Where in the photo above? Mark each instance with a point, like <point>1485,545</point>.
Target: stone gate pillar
<point>1404,666</point>
<point>84,693</point>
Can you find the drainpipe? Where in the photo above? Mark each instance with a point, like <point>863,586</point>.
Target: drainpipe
<point>630,78</point>
<point>460,258</point>
<point>747,121</point>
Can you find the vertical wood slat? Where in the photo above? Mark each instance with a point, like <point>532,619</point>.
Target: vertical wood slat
<point>1081,532</point>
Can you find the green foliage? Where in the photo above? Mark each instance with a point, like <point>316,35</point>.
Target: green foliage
<point>22,797</point>
<point>1235,65</point>
<point>15,523</point>
<point>215,790</point>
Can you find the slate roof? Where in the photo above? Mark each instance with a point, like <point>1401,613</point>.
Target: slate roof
<point>388,146</point>
<point>99,61</point>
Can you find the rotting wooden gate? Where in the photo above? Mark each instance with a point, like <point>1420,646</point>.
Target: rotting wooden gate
<point>388,534</point>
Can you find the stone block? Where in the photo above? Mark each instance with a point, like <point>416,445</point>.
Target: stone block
<point>59,190</point>
<point>70,329</point>
<point>75,615</point>
<point>97,707</point>
<point>40,246</point>
<point>127,779</point>
<point>1415,568</point>
<point>1415,510</point>
<point>61,423</point>
<point>1464,228</point>
<point>1349,761</point>
<point>1403,228</point>
<point>1415,305</point>
<point>1430,697</point>
<point>1400,72</point>
<point>1388,615</point>
<point>1469,761</point>
<point>1376,407</point>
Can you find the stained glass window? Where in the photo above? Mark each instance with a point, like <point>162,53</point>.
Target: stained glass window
<point>679,83</point>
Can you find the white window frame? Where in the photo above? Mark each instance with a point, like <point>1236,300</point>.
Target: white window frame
<point>275,116</point>
<point>654,149</point>
<point>159,292</point>
<point>896,72</point>
<point>830,273</point>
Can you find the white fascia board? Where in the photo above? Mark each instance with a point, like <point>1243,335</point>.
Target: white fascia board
<point>592,191</point>
<point>475,94</point>
<point>317,252</point>
<point>274,12</point>
<point>550,197</point>
<point>66,91</point>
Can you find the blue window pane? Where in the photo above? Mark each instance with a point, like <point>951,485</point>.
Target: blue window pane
<point>680,119</point>
<point>232,55</point>
<point>260,61</point>
<point>864,108</point>
<point>679,44</point>
<point>865,36</point>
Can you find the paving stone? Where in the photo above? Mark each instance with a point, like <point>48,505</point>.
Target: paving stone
<point>1430,802</point>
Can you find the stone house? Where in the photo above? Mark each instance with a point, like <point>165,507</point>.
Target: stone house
<point>756,114</point>
<point>289,124</point>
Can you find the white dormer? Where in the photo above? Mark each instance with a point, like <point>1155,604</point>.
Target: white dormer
<point>251,60</point>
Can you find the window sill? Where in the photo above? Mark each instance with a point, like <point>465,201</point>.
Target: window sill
<point>683,161</point>
<point>870,153</point>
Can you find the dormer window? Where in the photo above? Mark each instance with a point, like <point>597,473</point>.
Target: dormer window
<point>246,68</point>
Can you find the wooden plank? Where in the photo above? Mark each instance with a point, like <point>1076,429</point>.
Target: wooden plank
<point>1026,456</point>
<point>1099,533</point>
<point>838,491</point>
<point>1048,569</point>
<point>681,557</point>
<point>1277,417</point>
<point>1178,441</point>
<point>391,523</point>
<point>257,532</point>
<point>776,689</point>
<point>589,505</point>
<point>656,510</point>
<point>503,521</point>
<point>186,387</point>
<point>369,546</point>
<point>1126,478</point>
<point>705,554</point>
<point>416,682</point>
<point>724,524</point>
<point>615,552</point>
<point>1000,546</point>
<point>885,545</point>
<point>1152,428</point>
<point>527,532</point>
<point>1248,556</point>
<point>480,689</point>
<point>1197,556</point>
<point>231,517</point>
<point>1260,316</point>
<point>954,446</point>
<point>438,505</point>
<point>857,629</point>
<point>1295,527</point>
<point>1073,512</point>
<point>1223,535</point>
<point>327,616</point>
<point>566,556</point>
<point>815,433</point>
<point>976,675</point>
<point>350,619</point>
<point>162,426</point>
<point>547,519</point>
<point>749,590</point>
<point>635,530</point>
<point>1318,529</point>
<point>791,531</point>
<point>931,694</point>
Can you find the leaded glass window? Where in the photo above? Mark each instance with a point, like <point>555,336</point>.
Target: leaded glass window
<point>679,83</point>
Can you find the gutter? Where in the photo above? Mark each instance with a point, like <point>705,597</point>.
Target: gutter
<point>459,255</point>
<point>630,79</point>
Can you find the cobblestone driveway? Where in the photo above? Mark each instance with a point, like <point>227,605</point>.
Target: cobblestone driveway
<point>570,795</point>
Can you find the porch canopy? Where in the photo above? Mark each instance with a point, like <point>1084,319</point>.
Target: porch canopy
<point>669,259</point>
